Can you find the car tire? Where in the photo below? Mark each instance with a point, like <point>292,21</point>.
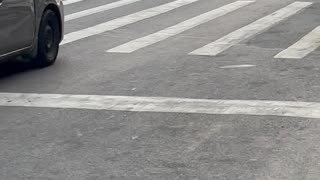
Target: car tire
<point>48,39</point>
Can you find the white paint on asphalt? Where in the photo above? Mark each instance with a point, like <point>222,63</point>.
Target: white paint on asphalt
<point>67,2</point>
<point>99,9</point>
<point>178,28</point>
<point>250,30</point>
<point>238,66</point>
<point>303,47</point>
<point>163,104</point>
<point>125,20</point>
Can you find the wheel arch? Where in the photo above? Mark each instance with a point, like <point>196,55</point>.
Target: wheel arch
<point>40,9</point>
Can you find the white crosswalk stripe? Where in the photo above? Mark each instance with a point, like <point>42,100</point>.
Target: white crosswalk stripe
<point>250,30</point>
<point>178,28</point>
<point>123,21</point>
<point>67,2</point>
<point>99,9</point>
<point>303,47</point>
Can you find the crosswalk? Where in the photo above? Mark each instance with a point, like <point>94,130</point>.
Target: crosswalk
<point>302,48</point>
<point>123,21</point>
<point>179,28</point>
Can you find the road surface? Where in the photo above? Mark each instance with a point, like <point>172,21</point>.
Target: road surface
<point>170,89</point>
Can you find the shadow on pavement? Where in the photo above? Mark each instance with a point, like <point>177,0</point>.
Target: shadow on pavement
<point>15,66</point>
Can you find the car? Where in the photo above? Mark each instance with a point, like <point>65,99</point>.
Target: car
<point>32,29</point>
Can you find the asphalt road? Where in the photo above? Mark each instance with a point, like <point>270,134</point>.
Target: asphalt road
<point>169,92</point>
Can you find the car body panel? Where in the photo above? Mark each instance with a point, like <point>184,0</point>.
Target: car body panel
<point>17,19</point>
<point>19,36</point>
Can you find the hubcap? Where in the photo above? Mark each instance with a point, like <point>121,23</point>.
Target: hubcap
<point>49,38</point>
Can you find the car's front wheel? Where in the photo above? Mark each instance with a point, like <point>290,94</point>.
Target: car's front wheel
<point>48,39</point>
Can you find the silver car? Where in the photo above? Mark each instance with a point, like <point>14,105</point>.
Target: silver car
<point>31,28</point>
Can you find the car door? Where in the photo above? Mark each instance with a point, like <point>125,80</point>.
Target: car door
<point>17,25</point>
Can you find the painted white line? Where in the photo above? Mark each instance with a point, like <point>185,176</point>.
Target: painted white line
<point>250,30</point>
<point>99,9</point>
<point>303,47</point>
<point>178,28</point>
<point>238,66</point>
<point>163,104</point>
<point>67,2</point>
<point>125,20</point>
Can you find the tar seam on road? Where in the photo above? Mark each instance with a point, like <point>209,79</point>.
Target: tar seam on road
<point>163,104</point>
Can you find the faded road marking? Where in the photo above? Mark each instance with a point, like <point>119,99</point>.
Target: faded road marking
<point>238,66</point>
<point>163,104</point>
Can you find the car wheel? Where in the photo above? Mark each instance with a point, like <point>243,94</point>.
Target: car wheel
<point>48,39</point>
